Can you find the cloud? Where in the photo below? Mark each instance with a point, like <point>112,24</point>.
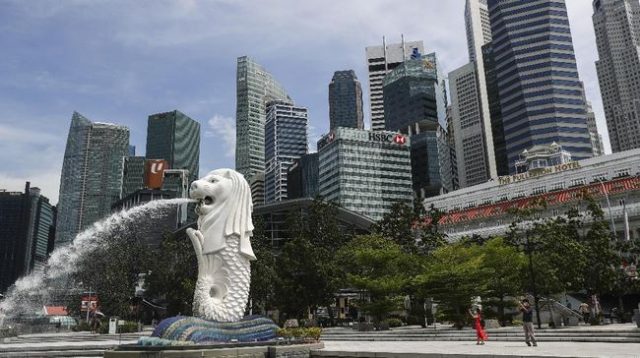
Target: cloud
<point>225,128</point>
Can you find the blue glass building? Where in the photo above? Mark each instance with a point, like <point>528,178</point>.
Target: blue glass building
<point>541,97</point>
<point>91,178</point>
<point>415,104</point>
<point>285,135</point>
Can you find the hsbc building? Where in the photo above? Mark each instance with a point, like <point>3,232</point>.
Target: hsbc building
<point>365,171</point>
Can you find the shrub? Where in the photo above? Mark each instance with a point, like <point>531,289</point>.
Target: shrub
<point>82,326</point>
<point>517,322</point>
<point>312,333</point>
<point>394,322</point>
<point>8,332</point>
<point>128,327</point>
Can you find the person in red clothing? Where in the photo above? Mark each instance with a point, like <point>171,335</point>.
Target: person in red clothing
<point>481,334</point>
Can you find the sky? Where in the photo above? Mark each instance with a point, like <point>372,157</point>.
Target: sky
<point>120,61</point>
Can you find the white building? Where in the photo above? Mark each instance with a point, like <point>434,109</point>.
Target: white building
<point>613,180</point>
<point>478,29</point>
<point>467,120</point>
<point>617,28</point>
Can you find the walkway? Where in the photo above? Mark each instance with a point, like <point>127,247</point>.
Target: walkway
<point>470,349</point>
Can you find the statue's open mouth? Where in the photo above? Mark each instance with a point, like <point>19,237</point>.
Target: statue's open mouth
<point>207,200</point>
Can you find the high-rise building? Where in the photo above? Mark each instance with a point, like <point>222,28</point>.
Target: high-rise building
<point>174,137</point>
<point>472,149</point>
<point>41,229</point>
<point>596,138</point>
<point>381,60</point>
<point>541,96</point>
<point>177,181</point>
<point>285,140</point>
<point>91,177</point>
<point>415,104</point>
<point>495,111</point>
<point>617,27</point>
<point>302,179</point>
<point>254,88</point>
<point>28,226</point>
<point>345,101</point>
<point>256,183</point>
<point>477,26</point>
<point>132,175</point>
<point>365,171</point>
<point>471,90</point>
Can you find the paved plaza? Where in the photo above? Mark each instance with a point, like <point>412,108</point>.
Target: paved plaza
<point>470,349</point>
<point>84,344</point>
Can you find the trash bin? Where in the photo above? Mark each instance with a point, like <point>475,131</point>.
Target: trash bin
<point>113,325</point>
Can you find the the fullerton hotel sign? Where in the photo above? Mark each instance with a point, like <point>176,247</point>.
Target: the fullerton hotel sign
<point>508,179</point>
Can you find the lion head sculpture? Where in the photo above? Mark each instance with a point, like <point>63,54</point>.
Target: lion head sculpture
<point>224,209</point>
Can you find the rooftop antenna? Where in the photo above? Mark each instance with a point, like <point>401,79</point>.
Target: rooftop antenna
<point>384,49</point>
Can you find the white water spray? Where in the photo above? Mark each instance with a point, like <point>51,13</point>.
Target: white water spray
<point>63,261</point>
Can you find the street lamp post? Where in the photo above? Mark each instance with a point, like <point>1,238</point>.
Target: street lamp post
<point>526,226</point>
<point>532,273</point>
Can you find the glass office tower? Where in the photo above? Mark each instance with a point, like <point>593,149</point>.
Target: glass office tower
<point>541,97</point>
<point>254,88</point>
<point>91,177</point>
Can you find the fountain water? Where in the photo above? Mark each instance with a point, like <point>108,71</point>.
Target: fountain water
<point>32,291</point>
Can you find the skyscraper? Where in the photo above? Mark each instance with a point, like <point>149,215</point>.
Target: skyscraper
<point>415,103</point>
<point>540,92</point>
<point>477,26</point>
<point>285,141</point>
<point>470,90</point>
<point>132,175</point>
<point>91,177</point>
<point>381,60</point>
<point>495,111</point>
<point>302,179</point>
<point>255,87</point>
<point>596,138</point>
<point>617,27</point>
<point>345,101</point>
<point>175,137</point>
<point>365,171</point>
<point>467,120</point>
<point>27,228</point>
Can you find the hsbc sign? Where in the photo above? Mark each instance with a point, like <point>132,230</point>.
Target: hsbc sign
<point>361,135</point>
<point>396,138</point>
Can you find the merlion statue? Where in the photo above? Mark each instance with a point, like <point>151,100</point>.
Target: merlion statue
<point>222,245</point>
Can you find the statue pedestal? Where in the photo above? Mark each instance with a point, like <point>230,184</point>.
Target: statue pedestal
<point>181,330</point>
<point>257,350</point>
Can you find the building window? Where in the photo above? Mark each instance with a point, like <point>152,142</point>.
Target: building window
<point>538,190</point>
<point>557,186</point>
<point>577,182</point>
<point>622,173</point>
<point>599,177</point>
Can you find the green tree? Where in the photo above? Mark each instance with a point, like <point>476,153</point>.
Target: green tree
<point>600,274</point>
<point>453,275</point>
<point>397,225</point>
<point>174,272</point>
<point>505,265</point>
<point>431,238</point>
<point>378,266</point>
<point>112,270</point>
<point>307,274</point>
<point>263,270</point>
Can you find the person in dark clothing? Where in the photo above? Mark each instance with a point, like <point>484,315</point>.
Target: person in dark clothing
<point>527,322</point>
